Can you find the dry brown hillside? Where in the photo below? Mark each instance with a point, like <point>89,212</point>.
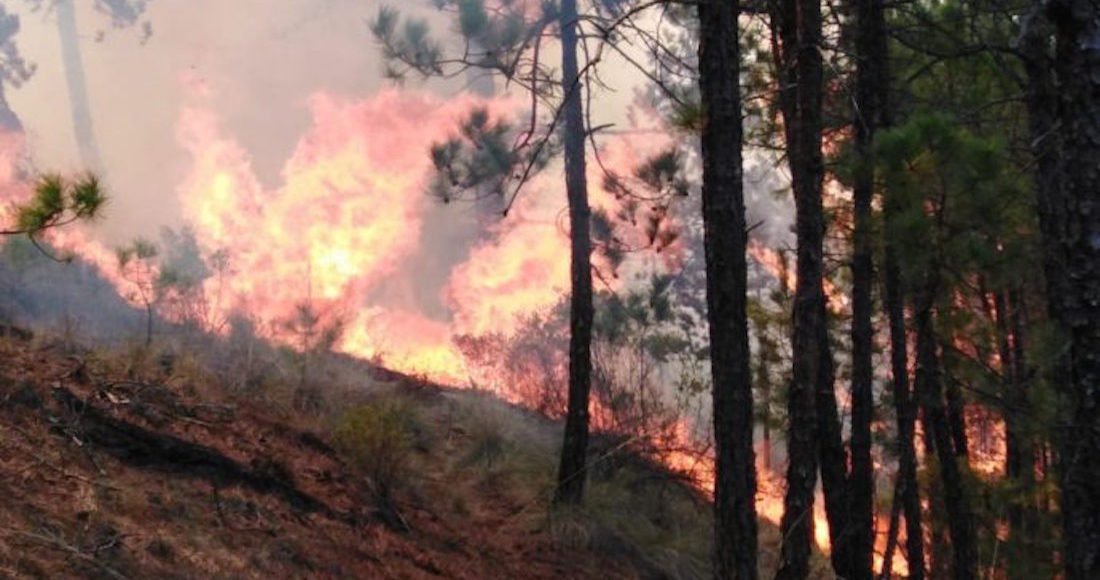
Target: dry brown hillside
<point>110,469</point>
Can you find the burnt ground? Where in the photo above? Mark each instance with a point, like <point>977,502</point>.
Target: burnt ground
<point>123,475</point>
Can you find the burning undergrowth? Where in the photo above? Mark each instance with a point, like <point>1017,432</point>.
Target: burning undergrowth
<point>348,254</point>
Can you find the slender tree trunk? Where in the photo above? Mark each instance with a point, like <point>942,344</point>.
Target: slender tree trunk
<point>148,324</point>
<point>796,26</point>
<point>892,532</point>
<point>574,452</point>
<point>905,410</point>
<point>1021,387</point>
<point>939,551</point>
<point>956,413</point>
<point>833,461</point>
<point>871,55</point>
<point>930,393</point>
<point>766,446</point>
<point>78,85</point>
<point>735,544</point>
<point>905,405</point>
<point>1069,215</point>
<point>1019,449</point>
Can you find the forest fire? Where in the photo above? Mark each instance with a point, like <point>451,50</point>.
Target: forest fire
<point>345,222</point>
<point>529,270</point>
<point>781,267</point>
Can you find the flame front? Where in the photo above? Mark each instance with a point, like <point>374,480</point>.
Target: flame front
<point>346,218</point>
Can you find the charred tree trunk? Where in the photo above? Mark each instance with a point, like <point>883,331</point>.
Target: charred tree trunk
<point>1069,215</point>
<point>574,452</point>
<point>796,29</point>
<point>871,79</point>
<point>735,544</point>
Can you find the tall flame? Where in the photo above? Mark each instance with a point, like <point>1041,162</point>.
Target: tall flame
<point>349,214</point>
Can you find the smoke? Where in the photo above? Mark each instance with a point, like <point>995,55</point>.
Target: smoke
<point>261,65</point>
<point>270,132</point>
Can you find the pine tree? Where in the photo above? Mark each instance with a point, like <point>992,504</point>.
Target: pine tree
<point>735,543</point>
<point>121,13</point>
<point>796,29</point>
<point>1068,189</point>
<point>494,160</point>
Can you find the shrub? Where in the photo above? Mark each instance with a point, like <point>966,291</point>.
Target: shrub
<point>379,438</point>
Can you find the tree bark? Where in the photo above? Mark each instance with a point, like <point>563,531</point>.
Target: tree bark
<point>930,393</point>
<point>906,414</point>
<point>735,543</point>
<point>833,462</point>
<point>892,532</point>
<point>1042,105</point>
<point>1019,447</point>
<point>956,413</point>
<point>572,470</point>
<point>1069,215</point>
<point>796,27</point>
<point>871,80</point>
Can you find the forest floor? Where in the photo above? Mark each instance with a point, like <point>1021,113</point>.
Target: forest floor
<point>116,466</point>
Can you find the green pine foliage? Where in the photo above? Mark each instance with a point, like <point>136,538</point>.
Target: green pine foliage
<point>58,201</point>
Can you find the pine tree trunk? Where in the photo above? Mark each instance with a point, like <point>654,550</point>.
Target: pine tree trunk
<point>572,473</point>
<point>78,85</point>
<point>1069,213</point>
<point>956,414</point>
<point>797,29</point>
<point>905,410</point>
<point>905,405</point>
<point>930,394</point>
<point>766,445</point>
<point>871,54</point>
<point>735,544</point>
<point>892,531</point>
<point>1019,447</point>
<point>833,461</point>
<point>1042,104</point>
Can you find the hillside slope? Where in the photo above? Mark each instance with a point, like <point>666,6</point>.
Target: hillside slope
<point>115,472</point>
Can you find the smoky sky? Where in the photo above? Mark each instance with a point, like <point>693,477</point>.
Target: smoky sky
<point>257,62</point>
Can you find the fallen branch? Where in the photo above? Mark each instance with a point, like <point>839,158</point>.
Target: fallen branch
<point>141,447</point>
